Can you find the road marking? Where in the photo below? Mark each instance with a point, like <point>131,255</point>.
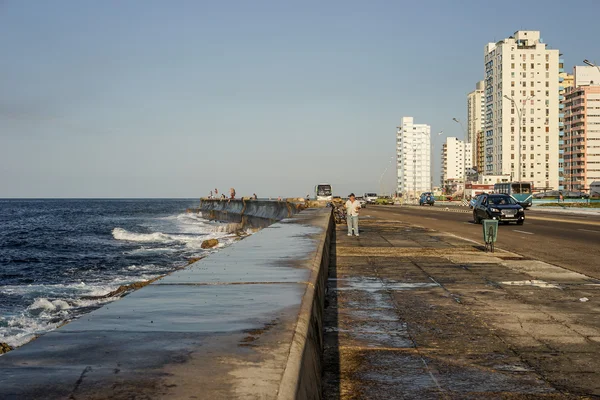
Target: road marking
<point>527,233</point>
<point>571,221</point>
<point>431,218</point>
<point>588,230</point>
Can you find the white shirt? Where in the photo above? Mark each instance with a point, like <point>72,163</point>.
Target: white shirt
<point>352,208</point>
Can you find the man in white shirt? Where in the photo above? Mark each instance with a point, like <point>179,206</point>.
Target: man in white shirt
<point>352,207</point>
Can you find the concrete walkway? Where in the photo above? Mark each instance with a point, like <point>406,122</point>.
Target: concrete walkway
<point>418,314</point>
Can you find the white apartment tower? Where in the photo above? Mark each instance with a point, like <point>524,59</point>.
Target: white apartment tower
<point>475,117</point>
<point>456,158</point>
<point>413,147</point>
<point>521,124</point>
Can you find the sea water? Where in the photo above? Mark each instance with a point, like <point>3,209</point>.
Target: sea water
<point>56,254</point>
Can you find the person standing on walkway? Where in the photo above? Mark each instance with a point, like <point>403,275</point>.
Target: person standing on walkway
<point>352,207</point>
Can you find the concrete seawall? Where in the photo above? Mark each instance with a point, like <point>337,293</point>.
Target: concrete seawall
<point>245,322</point>
<point>267,209</point>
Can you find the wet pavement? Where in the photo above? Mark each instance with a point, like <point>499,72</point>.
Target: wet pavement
<point>221,329</point>
<point>413,313</point>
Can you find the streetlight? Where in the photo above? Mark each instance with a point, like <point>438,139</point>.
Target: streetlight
<point>519,115</point>
<point>462,127</point>
<point>382,175</point>
<point>591,64</point>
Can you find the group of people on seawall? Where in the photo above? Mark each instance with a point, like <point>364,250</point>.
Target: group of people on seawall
<point>223,197</point>
<point>215,195</point>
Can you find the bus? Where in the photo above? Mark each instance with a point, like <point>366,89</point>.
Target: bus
<point>323,192</point>
<point>520,191</point>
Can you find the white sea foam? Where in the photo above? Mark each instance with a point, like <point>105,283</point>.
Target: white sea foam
<point>45,304</point>
<point>122,234</point>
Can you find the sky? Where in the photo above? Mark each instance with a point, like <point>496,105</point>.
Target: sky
<point>176,98</point>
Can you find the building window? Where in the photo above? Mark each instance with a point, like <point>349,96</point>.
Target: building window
<point>512,65</point>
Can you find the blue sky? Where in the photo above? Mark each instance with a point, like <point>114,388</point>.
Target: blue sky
<point>173,98</point>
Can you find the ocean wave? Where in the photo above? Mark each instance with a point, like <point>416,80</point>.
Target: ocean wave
<point>122,234</point>
<point>45,304</point>
<point>18,330</point>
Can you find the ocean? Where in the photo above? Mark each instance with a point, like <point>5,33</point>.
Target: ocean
<point>56,254</point>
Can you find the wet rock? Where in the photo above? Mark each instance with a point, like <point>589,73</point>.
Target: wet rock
<point>4,348</point>
<point>122,290</point>
<point>209,243</point>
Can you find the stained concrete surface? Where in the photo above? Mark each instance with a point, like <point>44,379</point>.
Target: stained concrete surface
<point>414,313</point>
<point>220,329</point>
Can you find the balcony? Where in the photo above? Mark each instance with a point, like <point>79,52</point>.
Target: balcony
<point>561,70</point>
<point>561,97</point>
<point>561,79</point>
<point>561,115</point>
<point>561,106</point>
<point>561,142</point>
<point>561,88</point>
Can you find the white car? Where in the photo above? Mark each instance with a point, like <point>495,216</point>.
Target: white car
<point>362,201</point>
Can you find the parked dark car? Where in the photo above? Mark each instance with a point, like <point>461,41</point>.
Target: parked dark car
<point>426,198</point>
<point>500,207</point>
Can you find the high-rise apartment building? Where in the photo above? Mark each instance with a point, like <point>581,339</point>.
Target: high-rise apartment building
<point>565,81</point>
<point>521,126</point>
<point>475,116</point>
<point>582,136</point>
<point>413,146</point>
<point>456,159</point>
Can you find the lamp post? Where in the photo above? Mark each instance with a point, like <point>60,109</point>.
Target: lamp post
<point>462,127</point>
<point>382,175</point>
<point>466,139</point>
<point>519,115</point>
<point>591,64</point>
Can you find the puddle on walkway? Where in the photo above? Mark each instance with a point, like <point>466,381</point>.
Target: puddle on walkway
<point>375,285</point>
<point>532,282</point>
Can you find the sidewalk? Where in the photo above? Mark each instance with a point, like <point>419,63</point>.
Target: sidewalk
<point>418,314</point>
<point>567,210</point>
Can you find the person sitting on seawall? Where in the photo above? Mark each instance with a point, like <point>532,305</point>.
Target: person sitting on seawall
<point>352,207</point>
<point>254,196</point>
<point>232,193</point>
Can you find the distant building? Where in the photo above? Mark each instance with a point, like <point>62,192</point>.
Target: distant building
<point>475,117</point>
<point>413,147</point>
<point>521,126</point>
<point>565,81</point>
<point>585,75</point>
<point>456,159</point>
<point>582,135</point>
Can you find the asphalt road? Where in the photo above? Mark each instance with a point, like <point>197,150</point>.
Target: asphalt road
<point>569,241</point>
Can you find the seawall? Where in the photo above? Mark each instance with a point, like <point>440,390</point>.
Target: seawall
<point>245,322</point>
<point>247,213</point>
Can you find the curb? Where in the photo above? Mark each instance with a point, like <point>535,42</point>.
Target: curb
<point>302,374</point>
